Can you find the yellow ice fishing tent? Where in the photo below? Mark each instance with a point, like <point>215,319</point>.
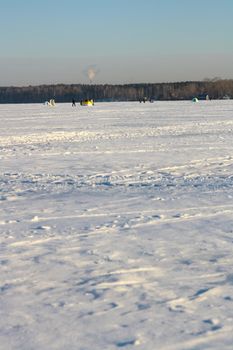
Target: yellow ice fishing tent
<point>87,103</point>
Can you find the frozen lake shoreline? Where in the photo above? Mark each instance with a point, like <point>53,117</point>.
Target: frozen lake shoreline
<point>116,226</point>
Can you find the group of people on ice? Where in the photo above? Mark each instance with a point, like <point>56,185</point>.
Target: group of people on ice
<point>87,102</point>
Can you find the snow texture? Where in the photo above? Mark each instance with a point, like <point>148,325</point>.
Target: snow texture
<point>116,226</point>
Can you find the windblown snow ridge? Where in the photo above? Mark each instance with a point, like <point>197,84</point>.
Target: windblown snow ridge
<point>117,133</point>
<point>18,182</point>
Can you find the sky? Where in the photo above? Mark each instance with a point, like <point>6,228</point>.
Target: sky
<point>120,41</point>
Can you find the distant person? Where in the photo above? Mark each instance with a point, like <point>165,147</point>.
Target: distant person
<point>73,103</point>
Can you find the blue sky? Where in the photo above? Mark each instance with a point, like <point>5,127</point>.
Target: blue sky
<point>126,41</point>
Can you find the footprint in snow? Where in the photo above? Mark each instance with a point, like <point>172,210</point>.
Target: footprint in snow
<point>43,227</point>
<point>122,344</point>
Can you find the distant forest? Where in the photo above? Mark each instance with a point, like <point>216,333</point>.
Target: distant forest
<point>215,89</point>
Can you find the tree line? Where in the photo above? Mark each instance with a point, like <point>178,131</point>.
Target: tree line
<point>215,89</point>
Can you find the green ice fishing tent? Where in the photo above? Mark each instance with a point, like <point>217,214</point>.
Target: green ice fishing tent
<point>195,99</point>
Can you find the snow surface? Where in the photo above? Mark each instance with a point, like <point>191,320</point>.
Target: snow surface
<point>116,226</point>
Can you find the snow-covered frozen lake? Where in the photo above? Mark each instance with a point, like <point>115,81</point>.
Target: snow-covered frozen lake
<point>116,226</point>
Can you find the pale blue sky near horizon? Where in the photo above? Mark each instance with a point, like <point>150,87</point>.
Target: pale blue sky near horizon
<point>125,41</point>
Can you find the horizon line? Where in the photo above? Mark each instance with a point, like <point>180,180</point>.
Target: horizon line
<point>120,84</point>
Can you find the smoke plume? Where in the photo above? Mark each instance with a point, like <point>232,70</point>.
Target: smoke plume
<point>90,72</point>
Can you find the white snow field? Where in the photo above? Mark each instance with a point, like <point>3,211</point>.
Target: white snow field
<point>116,226</point>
